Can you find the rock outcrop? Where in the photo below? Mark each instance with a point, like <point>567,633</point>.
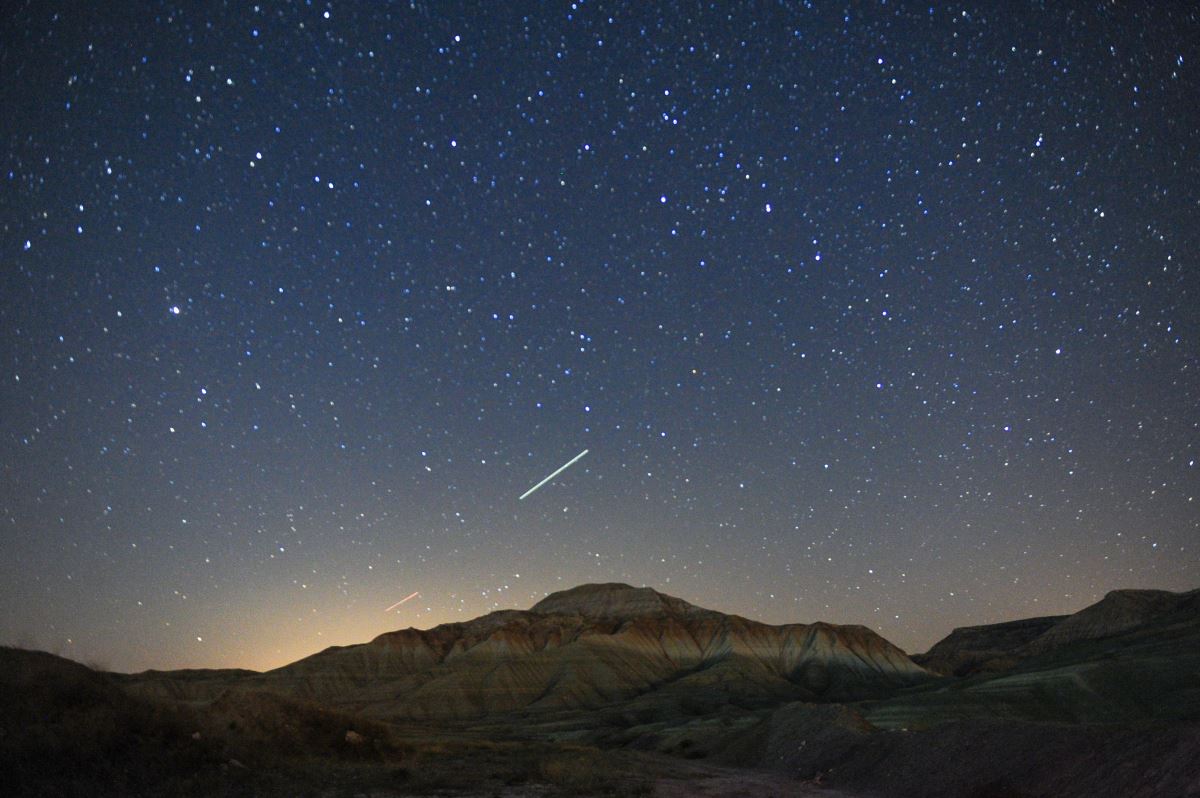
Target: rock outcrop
<point>1133,657</point>
<point>1119,611</point>
<point>582,649</point>
<point>614,600</point>
<point>992,647</point>
<point>1001,646</point>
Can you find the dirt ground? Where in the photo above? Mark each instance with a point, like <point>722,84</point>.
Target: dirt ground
<point>695,780</point>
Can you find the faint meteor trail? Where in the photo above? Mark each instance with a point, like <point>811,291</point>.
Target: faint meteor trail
<point>561,469</point>
<point>412,595</point>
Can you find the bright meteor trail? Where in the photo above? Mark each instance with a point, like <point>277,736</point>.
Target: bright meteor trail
<point>561,469</point>
<point>412,595</point>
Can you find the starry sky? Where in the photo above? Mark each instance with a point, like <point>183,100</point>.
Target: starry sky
<point>882,313</point>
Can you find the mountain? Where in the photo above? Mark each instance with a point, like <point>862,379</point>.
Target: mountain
<point>619,601</point>
<point>585,648</point>
<point>1105,701</point>
<point>1119,611</point>
<point>992,647</point>
<point>1001,646</point>
<point>1132,657</point>
<point>587,691</point>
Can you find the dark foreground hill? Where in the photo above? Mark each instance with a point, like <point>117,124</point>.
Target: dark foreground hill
<point>71,732</point>
<point>67,730</point>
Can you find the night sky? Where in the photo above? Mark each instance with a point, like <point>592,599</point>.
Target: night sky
<point>888,315</point>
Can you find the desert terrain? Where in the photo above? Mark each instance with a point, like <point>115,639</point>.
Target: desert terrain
<point>614,690</point>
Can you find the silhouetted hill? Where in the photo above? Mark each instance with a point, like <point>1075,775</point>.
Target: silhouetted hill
<point>1002,646</point>
<point>993,647</point>
<point>1132,657</point>
<point>1118,612</point>
<point>66,730</point>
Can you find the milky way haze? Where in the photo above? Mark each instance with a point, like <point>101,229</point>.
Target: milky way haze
<point>887,316</point>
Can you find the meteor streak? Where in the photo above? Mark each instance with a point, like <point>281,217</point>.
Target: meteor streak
<point>412,595</point>
<point>561,469</point>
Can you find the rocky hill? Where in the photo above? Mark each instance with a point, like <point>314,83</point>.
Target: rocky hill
<point>1133,657</point>
<point>1119,611</point>
<point>585,648</point>
<point>1002,646</point>
<point>992,647</point>
<point>584,692</point>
